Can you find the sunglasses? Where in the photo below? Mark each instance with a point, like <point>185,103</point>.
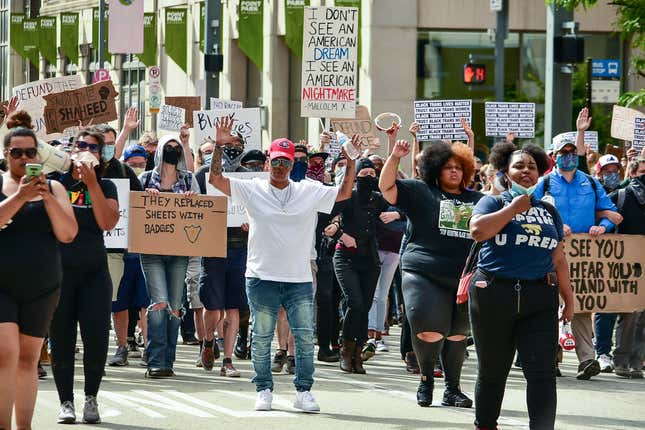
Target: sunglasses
<point>277,162</point>
<point>17,153</point>
<point>83,146</point>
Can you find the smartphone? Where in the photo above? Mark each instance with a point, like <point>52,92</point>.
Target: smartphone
<point>33,170</point>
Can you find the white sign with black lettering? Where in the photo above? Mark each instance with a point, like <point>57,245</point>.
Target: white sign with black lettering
<point>245,121</point>
<point>639,134</point>
<point>591,138</point>
<point>236,212</point>
<point>503,118</point>
<point>117,238</point>
<point>171,118</point>
<point>441,119</point>
<point>219,104</point>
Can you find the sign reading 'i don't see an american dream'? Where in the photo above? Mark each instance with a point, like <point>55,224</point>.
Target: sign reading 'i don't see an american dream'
<point>329,52</point>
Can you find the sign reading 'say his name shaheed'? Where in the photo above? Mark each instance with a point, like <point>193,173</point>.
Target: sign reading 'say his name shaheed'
<point>67,108</point>
<point>329,51</point>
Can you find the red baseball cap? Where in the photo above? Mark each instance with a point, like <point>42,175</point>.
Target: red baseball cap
<point>282,148</point>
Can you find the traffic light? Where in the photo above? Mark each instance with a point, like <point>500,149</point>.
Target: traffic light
<point>474,74</point>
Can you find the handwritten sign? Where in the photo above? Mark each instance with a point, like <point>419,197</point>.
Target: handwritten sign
<point>117,238</point>
<point>171,224</point>
<point>30,98</point>
<point>66,109</point>
<point>638,141</point>
<point>441,119</point>
<point>502,118</point>
<point>622,122</point>
<point>190,103</point>
<point>219,104</point>
<point>606,272</point>
<point>246,122</point>
<point>171,118</point>
<point>362,125</point>
<point>591,138</point>
<point>236,212</point>
<point>330,46</point>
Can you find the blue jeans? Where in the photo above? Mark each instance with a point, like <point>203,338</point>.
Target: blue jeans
<point>265,299</point>
<point>604,329</point>
<point>165,282</point>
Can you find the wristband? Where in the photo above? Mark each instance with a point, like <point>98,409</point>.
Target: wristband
<point>338,234</point>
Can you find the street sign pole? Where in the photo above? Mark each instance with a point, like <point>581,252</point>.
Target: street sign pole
<point>588,85</point>
<point>101,46</point>
<point>212,37</point>
<point>501,32</point>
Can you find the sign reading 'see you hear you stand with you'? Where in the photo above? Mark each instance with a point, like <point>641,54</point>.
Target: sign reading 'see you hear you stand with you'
<point>606,272</point>
<point>172,224</point>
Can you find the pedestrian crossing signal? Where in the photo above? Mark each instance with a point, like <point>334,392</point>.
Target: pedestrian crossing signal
<point>474,74</point>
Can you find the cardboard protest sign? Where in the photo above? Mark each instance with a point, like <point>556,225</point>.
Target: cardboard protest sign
<point>171,224</point>
<point>236,212</point>
<point>246,122</point>
<point>638,141</point>
<point>190,103</point>
<point>361,125</point>
<point>66,109</point>
<point>441,119</point>
<point>502,118</point>
<point>591,138</point>
<point>622,122</point>
<point>329,52</point>
<point>171,118</point>
<point>117,238</point>
<point>30,98</point>
<point>606,272</point>
<point>219,104</point>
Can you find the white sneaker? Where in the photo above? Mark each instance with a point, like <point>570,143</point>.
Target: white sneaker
<point>306,402</point>
<point>381,346</point>
<point>263,400</point>
<point>67,415</point>
<point>606,363</point>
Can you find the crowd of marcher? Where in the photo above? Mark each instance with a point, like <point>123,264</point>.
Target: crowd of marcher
<point>335,250</point>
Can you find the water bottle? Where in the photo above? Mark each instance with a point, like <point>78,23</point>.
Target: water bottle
<point>53,159</point>
<point>567,341</point>
<point>346,142</point>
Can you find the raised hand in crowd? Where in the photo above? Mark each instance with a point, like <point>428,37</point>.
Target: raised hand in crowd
<point>414,129</point>
<point>392,132</point>
<point>583,122</point>
<point>325,140</point>
<point>469,132</point>
<point>8,108</point>
<point>131,122</point>
<point>401,149</point>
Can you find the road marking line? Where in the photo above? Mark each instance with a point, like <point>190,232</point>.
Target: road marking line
<point>165,402</point>
<point>279,400</point>
<point>227,411</point>
<point>132,403</point>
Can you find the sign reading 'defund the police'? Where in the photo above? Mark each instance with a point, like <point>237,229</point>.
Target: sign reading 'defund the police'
<point>441,119</point>
<point>605,69</point>
<point>329,52</point>
<point>503,118</point>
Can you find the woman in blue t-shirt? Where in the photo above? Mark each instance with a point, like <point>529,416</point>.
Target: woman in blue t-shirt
<point>513,293</point>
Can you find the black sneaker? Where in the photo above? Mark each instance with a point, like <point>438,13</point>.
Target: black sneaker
<point>190,339</point>
<point>144,359</point>
<point>424,393</point>
<point>120,357</point>
<point>369,350</point>
<point>279,360</point>
<point>240,351</point>
<point>328,356</point>
<point>636,373</point>
<point>157,373</point>
<point>216,349</point>
<point>133,350</point>
<point>587,369</point>
<point>291,365</point>
<point>456,398</point>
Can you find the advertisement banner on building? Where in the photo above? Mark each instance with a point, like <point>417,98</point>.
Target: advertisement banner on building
<point>69,35</point>
<point>245,122</point>
<point>126,27</point>
<point>149,56</point>
<point>202,16</point>
<point>47,38</point>
<point>30,41</point>
<point>17,40</point>
<point>329,52</point>
<point>250,26</point>
<point>177,36</point>
<point>294,20</point>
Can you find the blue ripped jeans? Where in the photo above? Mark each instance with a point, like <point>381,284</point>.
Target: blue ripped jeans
<point>165,283</point>
<point>265,299</point>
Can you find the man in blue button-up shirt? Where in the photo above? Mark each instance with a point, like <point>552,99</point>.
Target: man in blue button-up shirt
<point>577,199</point>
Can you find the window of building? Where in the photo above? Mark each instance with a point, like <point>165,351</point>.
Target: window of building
<point>133,90</point>
<point>50,71</point>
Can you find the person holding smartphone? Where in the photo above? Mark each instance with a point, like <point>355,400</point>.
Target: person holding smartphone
<point>35,214</point>
<point>86,295</point>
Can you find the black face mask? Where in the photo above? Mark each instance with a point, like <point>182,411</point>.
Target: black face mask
<point>171,155</point>
<point>365,185</point>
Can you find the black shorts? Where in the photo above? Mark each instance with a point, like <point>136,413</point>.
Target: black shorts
<point>222,284</point>
<point>432,306</point>
<point>32,316</point>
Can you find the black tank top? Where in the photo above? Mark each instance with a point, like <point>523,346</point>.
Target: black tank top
<point>30,260</point>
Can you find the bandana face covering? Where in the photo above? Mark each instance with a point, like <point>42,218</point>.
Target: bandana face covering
<point>299,171</point>
<point>611,180</point>
<point>316,172</point>
<point>232,158</point>
<point>567,162</point>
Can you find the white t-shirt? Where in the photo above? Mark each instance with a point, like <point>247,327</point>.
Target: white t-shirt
<point>280,238</point>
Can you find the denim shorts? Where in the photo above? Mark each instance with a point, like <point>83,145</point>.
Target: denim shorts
<point>132,288</point>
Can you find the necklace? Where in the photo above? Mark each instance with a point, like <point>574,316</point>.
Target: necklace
<point>283,202</point>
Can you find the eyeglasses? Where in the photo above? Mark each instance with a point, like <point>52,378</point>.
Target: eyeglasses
<point>84,146</point>
<point>277,162</point>
<point>17,153</point>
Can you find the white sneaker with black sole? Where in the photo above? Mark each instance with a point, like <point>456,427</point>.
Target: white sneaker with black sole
<point>264,400</point>
<point>381,346</point>
<point>305,402</point>
<point>67,414</point>
<point>606,363</point>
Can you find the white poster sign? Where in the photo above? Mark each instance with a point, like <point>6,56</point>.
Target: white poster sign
<point>117,238</point>
<point>245,121</point>
<point>236,212</point>
<point>591,138</point>
<point>171,118</point>
<point>220,104</point>
<point>125,35</point>
<point>441,119</point>
<point>503,118</point>
<point>639,134</point>
<point>329,65</point>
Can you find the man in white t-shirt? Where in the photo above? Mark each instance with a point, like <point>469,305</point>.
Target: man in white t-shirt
<point>282,219</point>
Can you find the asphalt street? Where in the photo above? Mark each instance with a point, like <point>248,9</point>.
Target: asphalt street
<point>382,399</point>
